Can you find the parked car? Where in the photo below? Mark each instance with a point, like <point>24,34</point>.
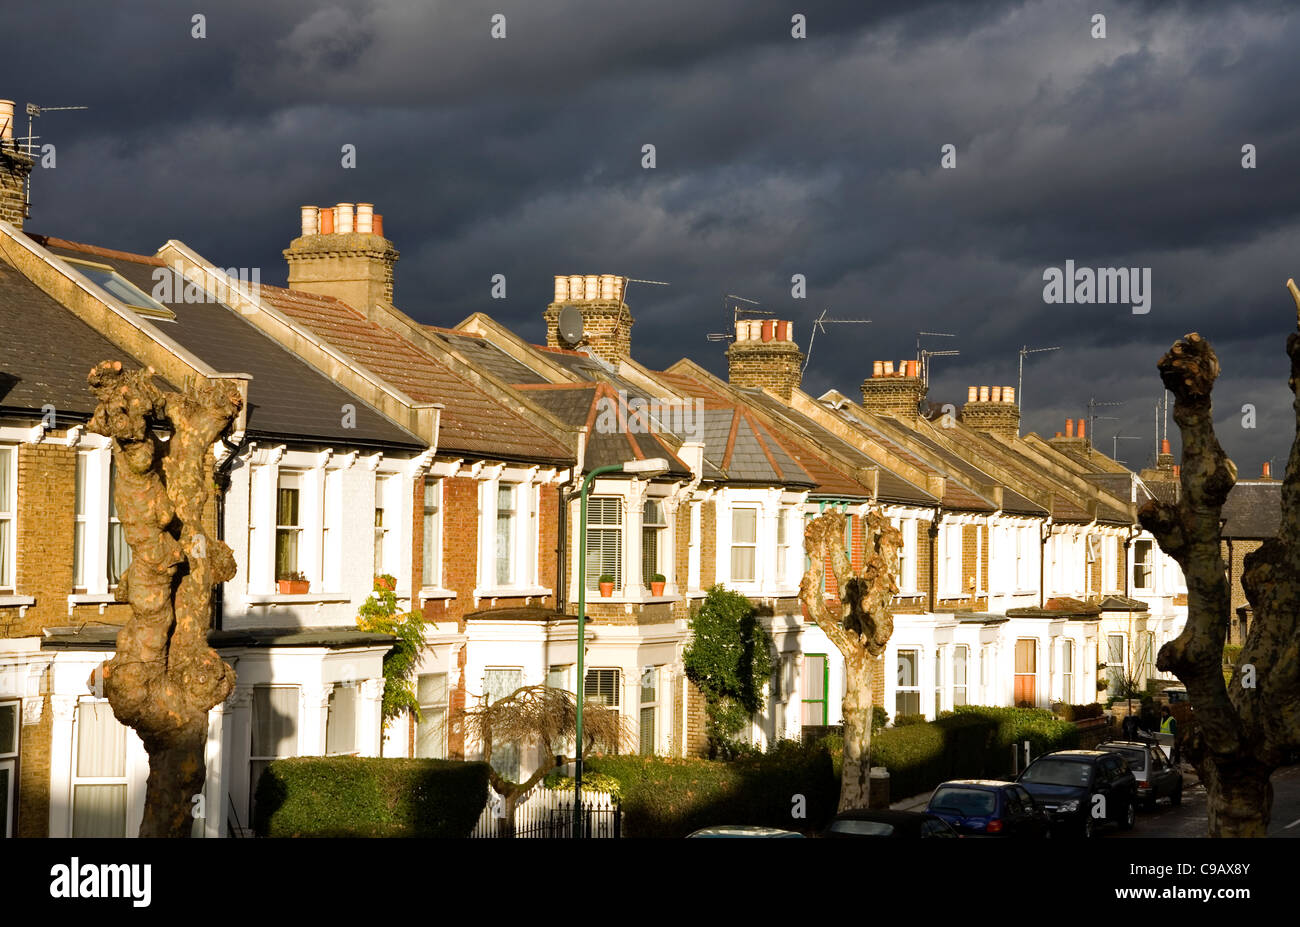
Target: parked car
<point>743,830</point>
<point>990,808</point>
<point>1082,790</point>
<point>1156,776</point>
<point>905,824</point>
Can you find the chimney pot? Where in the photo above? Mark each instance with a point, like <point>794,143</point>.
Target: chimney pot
<point>1009,394</point>
<point>911,368</point>
<point>877,368</point>
<point>768,329</point>
<point>365,218</point>
<point>995,394</point>
<point>591,286</point>
<point>1082,432</point>
<point>310,218</point>
<point>377,224</point>
<point>902,368</point>
<point>889,368</point>
<point>1058,434</point>
<point>1069,428</point>
<point>1164,446</point>
<point>325,218</point>
<point>1177,471</point>
<point>1266,475</point>
<point>984,394</point>
<point>606,286</point>
<point>7,120</point>
<point>972,393</point>
<point>561,289</point>
<point>343,221</point>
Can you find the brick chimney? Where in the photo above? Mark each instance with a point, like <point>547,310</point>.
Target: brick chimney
<point>764,355</point>
<point>894,391</point>
<point>343,253</point>
<point>992,409</point>
<point>606,319</point>
<point>15,166</point>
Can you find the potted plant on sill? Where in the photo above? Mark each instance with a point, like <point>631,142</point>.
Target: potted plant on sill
<point>293,584</point>
<point>657,584</point>
<point>606,582</point>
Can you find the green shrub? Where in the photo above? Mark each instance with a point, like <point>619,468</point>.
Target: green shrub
<point>904,720</point>
<point>348,796</point>
<point>1081,712</point>
<point>663,797</point>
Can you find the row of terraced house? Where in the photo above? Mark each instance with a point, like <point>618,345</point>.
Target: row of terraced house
<point>448,456</point>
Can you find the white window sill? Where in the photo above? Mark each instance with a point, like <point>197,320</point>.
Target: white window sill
<point>513,592</point>
<point>302,598</point>
<point>621,599</point>
<point>436,592</point>
<point>16,601</point>
<point>102,599</point>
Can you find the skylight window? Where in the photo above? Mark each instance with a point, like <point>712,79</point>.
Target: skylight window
<point>126,292</point>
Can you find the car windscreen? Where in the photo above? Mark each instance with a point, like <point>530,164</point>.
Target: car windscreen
<point>1058,772</point>
<point>966,802</point>
<point>862,828</point>
<point>1137,759</point>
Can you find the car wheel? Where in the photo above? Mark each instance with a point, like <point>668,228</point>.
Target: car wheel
<point>1130,817</point>
<point>1176,799</point>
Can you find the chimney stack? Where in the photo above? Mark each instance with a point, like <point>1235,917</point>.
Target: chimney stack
<point>893,393</point>
<point>607,322</point>
<point>764,354</point>
<point>994,411</point>
<point>15,167</point>
<point>342,252</point>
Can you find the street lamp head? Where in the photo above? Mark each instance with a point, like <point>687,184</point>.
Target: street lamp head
<point>653,466</point>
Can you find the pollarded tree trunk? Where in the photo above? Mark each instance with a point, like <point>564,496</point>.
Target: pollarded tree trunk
<point>164,678</point>
<point>1241,730</point>
<point>860,631</point>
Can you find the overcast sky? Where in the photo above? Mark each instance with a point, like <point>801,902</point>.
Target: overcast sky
<point>775,156</point>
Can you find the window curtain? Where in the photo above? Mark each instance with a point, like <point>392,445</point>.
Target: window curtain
<point>431,732</point>
<point>99,810</point>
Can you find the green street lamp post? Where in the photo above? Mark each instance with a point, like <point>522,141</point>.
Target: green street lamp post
<point>647,469</point>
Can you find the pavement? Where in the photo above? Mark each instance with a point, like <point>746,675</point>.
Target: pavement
<point>1191,818</point>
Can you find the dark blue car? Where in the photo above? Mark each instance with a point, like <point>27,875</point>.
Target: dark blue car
<point>989,808</point>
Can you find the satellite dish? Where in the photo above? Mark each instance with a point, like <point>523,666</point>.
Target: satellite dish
<point>569,325</point>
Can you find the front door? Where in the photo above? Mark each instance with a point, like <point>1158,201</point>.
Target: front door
<point>497,684</point>
<point>1026,673</point>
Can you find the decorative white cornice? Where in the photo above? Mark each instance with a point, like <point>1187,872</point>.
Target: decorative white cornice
<point>346,461</point>
<point>372,689</point>
<point>492,472</point>
<point>372,462</point>
<point>63,707</point>
<point>323,458</point>
<point>32,708</point>
<point>445,468</point>
<point>74,435</point>
<point>36,434</point>
<point>315,696</point>
<point>474,469</point>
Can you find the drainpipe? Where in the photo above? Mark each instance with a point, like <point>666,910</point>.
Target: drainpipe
<point>934,554</point>
<point>1133,533</point>
<point>1042,561</point>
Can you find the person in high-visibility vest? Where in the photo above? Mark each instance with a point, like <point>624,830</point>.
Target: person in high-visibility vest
<point>1169,726</point>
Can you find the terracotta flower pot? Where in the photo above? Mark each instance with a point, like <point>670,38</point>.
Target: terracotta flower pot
<point>657,589</point>
<point>606,590</point>
<point>294,586</point>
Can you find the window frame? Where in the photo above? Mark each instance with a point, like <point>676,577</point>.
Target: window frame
<point>9,762</point>
<point>751,545</point>
<point>605,529</point>
<point>431,528</point>
<point>331,714</point>
<point>288,480</point>
<point>653,533</point>
<point>1146,564</point>
<point>909,689</point>
<point>651,706</point>
<point>76,780</point>
<point>824,701</point>
<point>9,518</point>
<point>255,758</point>
<point>962,686</point>
<point>426,708</point>
<point>1067,670</point>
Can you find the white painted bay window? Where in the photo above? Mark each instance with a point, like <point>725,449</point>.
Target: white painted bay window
<point>653,531</point>
<point>960,661</point>
<point>649,709</point>
<point>341,720</point>
<point>782,546</point>
<point>275,733</point>
<point>431,730</point>
<point>288,525</point>
<point>950,543</point>
<point>1144,565</point>
<point>119,551</point>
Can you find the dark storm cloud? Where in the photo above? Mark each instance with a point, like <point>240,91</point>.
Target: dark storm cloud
<point>775,157</point>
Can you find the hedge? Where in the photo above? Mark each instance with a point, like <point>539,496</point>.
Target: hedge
<point>664,797</point>
<point>346,796</point>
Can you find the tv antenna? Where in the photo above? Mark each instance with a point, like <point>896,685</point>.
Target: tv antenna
<point>819,325</point>
<point>32,112</point>
<point>1115,439</point>
<point>1093,405</point>
<point>1020,380</point>
<point>923,355</point>
<point>736,314</point>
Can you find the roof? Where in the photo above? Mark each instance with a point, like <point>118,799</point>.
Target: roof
<point>1119,603</point>
<point>590,404</point>
<point>48,365</point>
<point>473,422</point>
<point>483,353</point>
<point>1253,510</point>
<point>287,398</point>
